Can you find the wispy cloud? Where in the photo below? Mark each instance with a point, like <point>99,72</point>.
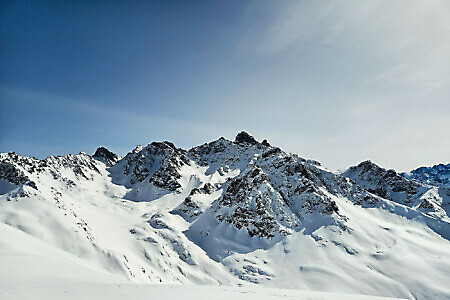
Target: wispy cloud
<point>393,73</point>
<point>337,81</point>
<point>409,39</point>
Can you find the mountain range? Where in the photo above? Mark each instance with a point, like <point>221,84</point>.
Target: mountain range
<point>237,213</point>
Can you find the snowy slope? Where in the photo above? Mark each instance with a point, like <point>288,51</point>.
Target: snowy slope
<point>236,213</point>
<point>32,269</point>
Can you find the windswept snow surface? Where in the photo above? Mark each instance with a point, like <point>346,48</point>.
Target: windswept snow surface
<point>240,214</point>
<point>32,269</point>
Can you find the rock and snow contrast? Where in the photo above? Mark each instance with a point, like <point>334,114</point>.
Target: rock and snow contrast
<point>243,216</point>
<point>436,175</point>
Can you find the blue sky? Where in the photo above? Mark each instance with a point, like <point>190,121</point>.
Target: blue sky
<point>339,82</point>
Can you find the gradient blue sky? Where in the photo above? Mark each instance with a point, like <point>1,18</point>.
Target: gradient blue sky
<point>336,81</point>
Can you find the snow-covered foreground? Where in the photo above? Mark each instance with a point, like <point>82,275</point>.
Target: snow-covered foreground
<point>226,219</point>
<point>151,291</point>
<point>32,269</point>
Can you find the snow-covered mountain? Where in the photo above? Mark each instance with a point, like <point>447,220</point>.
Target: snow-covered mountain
<point>438,175</point>
<point>433,200</point>
<point>234,213</point>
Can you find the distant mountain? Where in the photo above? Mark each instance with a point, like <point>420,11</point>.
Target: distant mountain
<point>390,185</point>
<point>235,212</point>
<point>438,175</point>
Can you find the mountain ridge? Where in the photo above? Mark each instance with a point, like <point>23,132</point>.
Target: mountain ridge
<point>227,211</point>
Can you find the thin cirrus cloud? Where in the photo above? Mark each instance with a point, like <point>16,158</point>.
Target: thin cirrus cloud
<point>393,103</point>
<point>411,37</point>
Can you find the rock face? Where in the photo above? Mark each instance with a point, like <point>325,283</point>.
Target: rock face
<point>275,195</point>
<point>265,143</point>
<point>191,207</point>
<point>387,184</point>
<point>18,169</point>
<point>390,185</point>
<point>158,163</point>
<point>107,157</point>
<point>244,138</point>
<point>11,172</point>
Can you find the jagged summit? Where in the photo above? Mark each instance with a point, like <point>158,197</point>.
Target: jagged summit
<point>367,165</point>
<point>265,143</point>
<point>158,163</point>
<point>107,157</point>
<point>436,175</point>
<point>388,184</point>
<point>245,138</point>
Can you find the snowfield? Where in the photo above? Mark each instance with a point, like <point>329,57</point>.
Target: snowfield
<point>32,269</point>
<point>237,219</point>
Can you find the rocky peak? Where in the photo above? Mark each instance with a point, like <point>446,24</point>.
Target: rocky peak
<point>107,157</point>
<point>245,138</point>
<point>212,148</point>
<point>158,162</point>
<point>437,175</point>
<point>22,170</point>
<point>366,166</point>
<point>387,184</point>
<point>265,143</point>
<point>13,168</point>
<point>369,168</point>
<point>165,148</point>
<point>81,164</point>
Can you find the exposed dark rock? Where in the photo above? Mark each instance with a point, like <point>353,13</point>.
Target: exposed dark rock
<point>387,184</point>
<point>104,155</point>
<point>265,143</point>
<point>426,205</point>
<point>156,222</point>
<point>18,169</point>
<point>244,138</point>
<point>13,175</point>
<point>437,175</point>
<point>271,152</point>
<point>275,196</point>
<point>159,162</point>
<point>207,188</point>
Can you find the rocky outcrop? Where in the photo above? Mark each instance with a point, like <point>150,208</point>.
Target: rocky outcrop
<point>432,200</point>
<point>245,138</point>
<point>437,175</point>
<point>105,156</point>
<point>80,164</point>
<point>387,184</point>
<point>10,169</point>
<point>158,163</point>
<point>276,195</point>
<point>20,170</point>
<point>191,207</point>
